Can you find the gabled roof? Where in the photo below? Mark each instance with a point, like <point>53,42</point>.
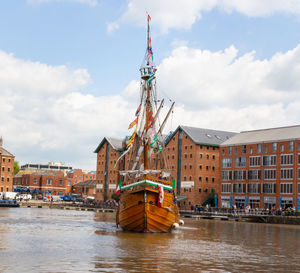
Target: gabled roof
<point>88,183</point>
<point>265,135</point>
<point>5,152</point>
<point>203,136</point>
<point>116,143</point>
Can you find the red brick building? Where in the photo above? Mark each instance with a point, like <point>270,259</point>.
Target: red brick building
<point>6,169</point>
<point>261,168</point>
<point>193,156</point>
<point>107,177</point>
<point>48,182</point>
<point>86,188</point>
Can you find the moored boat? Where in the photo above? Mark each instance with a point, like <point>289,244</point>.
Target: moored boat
<point>5,203</point>
<point>147,192</point>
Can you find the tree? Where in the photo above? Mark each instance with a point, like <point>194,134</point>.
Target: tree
<point>16,167</point>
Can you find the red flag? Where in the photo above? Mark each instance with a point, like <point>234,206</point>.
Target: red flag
<point>149,18</point>
<point>160,196</point>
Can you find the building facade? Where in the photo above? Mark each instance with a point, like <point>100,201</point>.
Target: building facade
<point>261,168</point>
<point>51,166</point>
<point>107,176</point>
<point>193,157</point>
<point>6,169</point>
<point>47,182</point>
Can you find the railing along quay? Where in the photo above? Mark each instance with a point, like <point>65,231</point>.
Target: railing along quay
<point>253,215</point>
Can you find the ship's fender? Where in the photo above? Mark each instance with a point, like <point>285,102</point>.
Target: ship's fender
<point>175,226</point>
<point>181,222</point>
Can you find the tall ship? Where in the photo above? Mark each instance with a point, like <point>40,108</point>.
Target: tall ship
<point>147,193</point>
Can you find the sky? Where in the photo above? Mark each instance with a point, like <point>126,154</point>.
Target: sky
<point>69,69</point>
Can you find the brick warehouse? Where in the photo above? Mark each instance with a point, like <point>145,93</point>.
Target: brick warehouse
<point>195,150</point>
<point>6,169</point>
<point>261,168</point>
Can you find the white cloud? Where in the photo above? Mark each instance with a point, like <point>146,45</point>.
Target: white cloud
<point>88,2</point>
<point>44,116</point>
<point>182,14</point>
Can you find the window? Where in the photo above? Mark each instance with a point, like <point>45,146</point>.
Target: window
<point>225,187</point>
<point>269,160</point>
<point>200,167</point>
<point>286,188</point>
<point>190,167</point>
<point>213,157</point>
<point>35,181</point>
<point>266,148</point>
<point>281,148</point>
<point>269,188</point>
<point>258,148</point>
<point>274,147</point>
<point>236,151</point>
<point>3,160</point>
<point>207,168</point>
<point>185,155</point>
<point>201,155</point>
<point>8,169</point>
<point>49,181</point>
<point>60,182</point>
<point>206,179</point>
<point>240,162</point>
<point>213,180</point>
<point>239,175</point>
<point>253,188</point>
<point>244,149</point>
<point>226,163</point>
<point>291,146</point>
<point>191,155</point>
<point>200,178</point>
<point>254,161</point>
<point>207,156</point>
<point>2,179</point>
<point>286,173</point>
<point>239,187</point>
<point>227,175</point>
<point>230,150</point>
<point>69,183</point>
<point>286,159</point>
<point>7,179</point>
<point>254,174</point>
<point>251,150</point>
<point>199,189</point>
<point>270,174</point>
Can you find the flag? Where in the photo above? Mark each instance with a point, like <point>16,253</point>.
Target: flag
<point>130,141</point>
<point>133,123</point>
<point>149,18</point>
<point>160,196</point>
<point>139,108</point>
<point>118,190</point>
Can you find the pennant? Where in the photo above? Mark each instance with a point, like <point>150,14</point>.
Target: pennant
<point>118,190</point>
<point>149,18</point>
<point>133,123</point>
<point>150,121</point>
<point>151,78</point>
<point>125,152</point>
<point>130,141</point>
<point>160,196</point>
<point>138,110</point>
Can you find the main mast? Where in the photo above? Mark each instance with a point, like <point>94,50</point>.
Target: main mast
<point>145,77</point>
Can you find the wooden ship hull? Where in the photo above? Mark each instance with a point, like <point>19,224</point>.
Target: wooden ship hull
<point>138,210</point>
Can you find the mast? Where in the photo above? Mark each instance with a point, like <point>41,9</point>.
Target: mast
<point>146,140</point>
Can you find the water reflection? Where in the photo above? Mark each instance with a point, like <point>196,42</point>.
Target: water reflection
<point>41,240</point>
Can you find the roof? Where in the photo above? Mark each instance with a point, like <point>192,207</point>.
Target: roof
<point>265,135</point>
<point>5,152</point>
<point>203,136</point>
<point>116,143</point>
<point>88,183</point>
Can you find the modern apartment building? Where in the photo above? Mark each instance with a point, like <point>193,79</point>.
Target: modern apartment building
<point>261,168</point>
<point>6,169</point>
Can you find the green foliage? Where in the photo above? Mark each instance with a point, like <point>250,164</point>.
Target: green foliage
<point>16,167</point>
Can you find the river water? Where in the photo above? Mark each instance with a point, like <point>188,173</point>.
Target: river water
<point>50,240</point>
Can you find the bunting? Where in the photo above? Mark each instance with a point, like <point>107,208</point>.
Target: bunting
<point>138,110</point>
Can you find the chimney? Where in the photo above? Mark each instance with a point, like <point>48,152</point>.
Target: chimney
<point>1,141</point>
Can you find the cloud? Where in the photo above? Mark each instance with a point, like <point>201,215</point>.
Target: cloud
<point>92,3</point>
<point>182,14</point>
<point>44,116</point>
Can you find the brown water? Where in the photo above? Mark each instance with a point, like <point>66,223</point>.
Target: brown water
<point>44,240</point>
